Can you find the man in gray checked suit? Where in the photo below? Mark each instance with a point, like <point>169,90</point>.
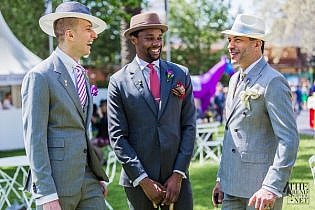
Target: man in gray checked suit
<point>261,139</point>
<point>57,109</point>
<point>151,117</point>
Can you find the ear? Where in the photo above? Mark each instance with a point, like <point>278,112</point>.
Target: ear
<point>134,40</point>
<point>258,44</point>
<point>69,34</point>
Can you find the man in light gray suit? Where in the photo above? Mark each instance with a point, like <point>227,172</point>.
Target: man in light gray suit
<point>57,109</point>
<point>151,117</point>
<point>261,139</point>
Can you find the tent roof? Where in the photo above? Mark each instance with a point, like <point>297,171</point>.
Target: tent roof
<point>15,58</point>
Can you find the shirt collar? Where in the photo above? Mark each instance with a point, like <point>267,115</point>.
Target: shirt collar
<point>66,59</point>
<point>143,63</point>
<point>250,67</point>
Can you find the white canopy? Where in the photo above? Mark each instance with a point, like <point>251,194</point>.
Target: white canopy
<point>15,58</point>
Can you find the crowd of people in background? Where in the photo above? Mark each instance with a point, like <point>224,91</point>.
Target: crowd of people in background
<point>300,94</point>
<point>100,138</point>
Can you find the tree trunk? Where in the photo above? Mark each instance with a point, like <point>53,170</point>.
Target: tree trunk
<point>127,51</point>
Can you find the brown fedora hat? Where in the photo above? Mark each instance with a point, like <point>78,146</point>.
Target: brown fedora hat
<point>145,21</point>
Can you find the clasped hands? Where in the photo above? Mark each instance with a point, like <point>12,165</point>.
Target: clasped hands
<point>166,194</point>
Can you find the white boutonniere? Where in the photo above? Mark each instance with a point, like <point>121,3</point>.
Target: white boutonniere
<point>245,95</point>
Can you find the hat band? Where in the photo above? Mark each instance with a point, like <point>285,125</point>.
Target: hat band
<point>143,24</point>
<point>244,29</point>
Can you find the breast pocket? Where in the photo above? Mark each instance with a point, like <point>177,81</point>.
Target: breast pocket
<point>56,148</point>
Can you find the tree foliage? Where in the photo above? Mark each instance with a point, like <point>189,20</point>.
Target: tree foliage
<point>195,27</point>
<point>292,21</point>
<point>22,17</point>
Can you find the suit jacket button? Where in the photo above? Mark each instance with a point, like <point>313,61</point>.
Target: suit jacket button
<point>235,129</point>
<point>233,150</point>
<point>226,127</point>
<point>85,150</point>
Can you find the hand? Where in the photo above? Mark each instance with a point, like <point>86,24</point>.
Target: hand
<point>153,190</point>
<point>52,205</point>
<point>217,194</point>
<point>104,188</point>
<point>173,185</point>
<point>263,199</point>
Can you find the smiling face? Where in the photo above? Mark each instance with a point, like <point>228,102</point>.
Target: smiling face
<point>83,37</point>
<point>148,44</point>
<point>243,50</point>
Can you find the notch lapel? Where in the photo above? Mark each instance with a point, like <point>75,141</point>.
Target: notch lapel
<point>165,86</point>
<point>141,85</point>
<point>66,81</point>
<point>89,109</point>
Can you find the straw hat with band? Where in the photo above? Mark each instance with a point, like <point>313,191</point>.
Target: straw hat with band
<point>145,21</point>
<point>70,9</point>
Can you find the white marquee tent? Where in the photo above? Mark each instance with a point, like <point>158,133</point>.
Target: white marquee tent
<point>15,58</point>
<point>15,61</point>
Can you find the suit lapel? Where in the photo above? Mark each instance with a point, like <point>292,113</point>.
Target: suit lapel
<point>248,82</point>
<point>165,86</point>
<point>66,81</point>
<point>141,85</point>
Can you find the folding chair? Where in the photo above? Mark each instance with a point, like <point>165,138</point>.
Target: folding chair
<point>312,166</point>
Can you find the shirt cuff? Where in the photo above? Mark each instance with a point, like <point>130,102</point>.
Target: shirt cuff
<point>181,173</point>
<point>47,198</point>
<point>138,180</point>
<point>218,179</point>
<point>274,191</point>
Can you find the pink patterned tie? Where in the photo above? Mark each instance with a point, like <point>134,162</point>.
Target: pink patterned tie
<point>154,83</point>
<point>81,86</point>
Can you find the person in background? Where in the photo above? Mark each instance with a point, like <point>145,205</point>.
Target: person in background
<point>7,101</point>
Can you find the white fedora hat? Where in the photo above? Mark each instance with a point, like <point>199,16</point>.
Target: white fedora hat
<point>249,26</point>
<point>70,9</point>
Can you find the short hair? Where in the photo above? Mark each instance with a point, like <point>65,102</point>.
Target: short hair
<point>262,44</point>
<point>63,24</point>
<point>135,33</point>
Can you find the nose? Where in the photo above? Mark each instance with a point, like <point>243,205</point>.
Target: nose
<point>231,45</point>
<point>94,34</point>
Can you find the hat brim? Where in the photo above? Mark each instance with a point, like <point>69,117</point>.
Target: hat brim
<point>255,36</point>
<point>46,22</point>
<point>163,27</point>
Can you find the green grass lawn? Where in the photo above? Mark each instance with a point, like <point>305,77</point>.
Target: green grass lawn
<point>203,179</point>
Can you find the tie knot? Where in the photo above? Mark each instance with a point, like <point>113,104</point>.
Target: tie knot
<point>79,69</point>
<point>243,75</point>
<point>150,66</point>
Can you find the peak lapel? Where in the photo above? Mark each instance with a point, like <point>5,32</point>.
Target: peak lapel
<point>141,85</point>
<point>165,86</point>
<point>66,81</point>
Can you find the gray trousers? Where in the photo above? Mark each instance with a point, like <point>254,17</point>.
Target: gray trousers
<point>90,198</point>
<point>137,200</point>
<point>236,203</point>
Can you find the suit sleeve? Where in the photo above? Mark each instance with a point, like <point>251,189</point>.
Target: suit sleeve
<point>188,129</point>
<point>35,113</point>
<point>118,133</point>
<point>280,111</point>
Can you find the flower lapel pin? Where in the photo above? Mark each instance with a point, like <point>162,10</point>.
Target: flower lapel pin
<point>246,95</point>
<point>169,75</point>
<point>179,90</point>
<point>94,90</point>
